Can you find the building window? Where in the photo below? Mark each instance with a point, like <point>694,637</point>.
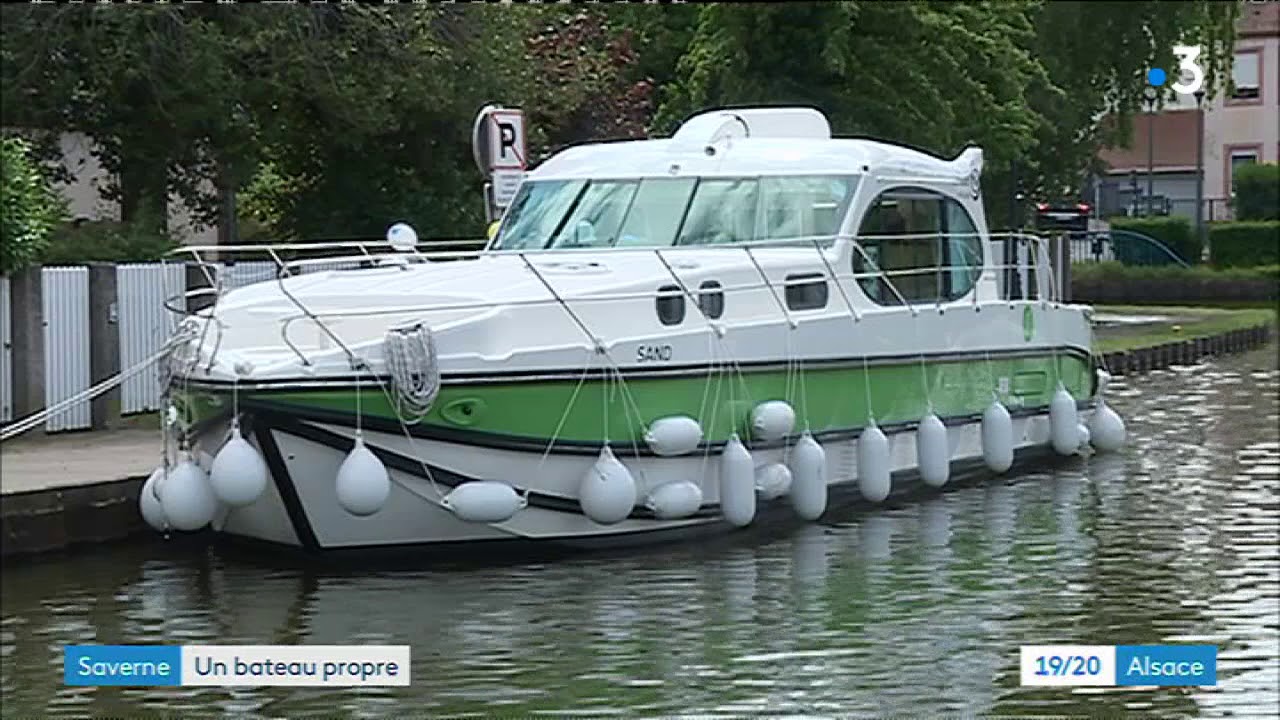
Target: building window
<point>937,258</point>
<point>1246,74</point>
<point>1239,158</point>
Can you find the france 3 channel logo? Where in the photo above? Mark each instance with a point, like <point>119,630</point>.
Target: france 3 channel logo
<point>1190,74</point>
<point>237,665</point>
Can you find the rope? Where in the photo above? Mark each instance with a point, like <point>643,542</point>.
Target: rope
<point>31,421</point>
<point>411,362</point>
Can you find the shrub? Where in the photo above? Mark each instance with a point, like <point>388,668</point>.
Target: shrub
<point>107,241</point>
<point>1112,282</point>
<point>1174,232</point>
<point>1244,244</point>
<point>1257,189</point>
<point>29,206</point>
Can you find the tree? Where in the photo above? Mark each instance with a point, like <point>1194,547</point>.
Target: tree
<point>1028,81</point>
<point>1096,55</point>
<point>156,87</point>
<point>29,207</point>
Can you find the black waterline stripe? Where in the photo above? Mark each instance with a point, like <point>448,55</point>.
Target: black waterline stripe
<point>284,484</point>
<point>580,447</point>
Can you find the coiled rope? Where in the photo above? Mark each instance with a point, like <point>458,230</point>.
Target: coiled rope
<point>411,361</point>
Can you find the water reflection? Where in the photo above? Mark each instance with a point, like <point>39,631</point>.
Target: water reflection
<point>915,609</point>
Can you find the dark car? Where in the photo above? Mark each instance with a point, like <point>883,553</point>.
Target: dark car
<point>1063,217</point>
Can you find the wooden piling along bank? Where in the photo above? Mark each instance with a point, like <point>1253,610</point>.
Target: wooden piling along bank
<point>1184,352</point>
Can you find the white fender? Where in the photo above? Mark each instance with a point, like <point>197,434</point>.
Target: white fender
<point>874,478</point>
<point>772,420</point>
<point>149,502</point>
<point>675,435</point>
<point>997,438</point>
<point>809,478</point>
<point>607,493</point>
<point>1063,420</point>
<point>186,498</point>
<point>1106,428</point>
<point>675,500</point>
<point>933,455</point>
<point>363,484</point>
<point>238,474</point>
<point>484,501</point>
<point>772,480</point>
<point>737,483</point>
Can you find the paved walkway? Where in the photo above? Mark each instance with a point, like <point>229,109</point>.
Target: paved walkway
<point>37,461</point>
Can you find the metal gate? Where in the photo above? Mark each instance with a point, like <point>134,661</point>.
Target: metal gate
<point>144,326</point>
<point>6,353</point>
<point>65,300</point>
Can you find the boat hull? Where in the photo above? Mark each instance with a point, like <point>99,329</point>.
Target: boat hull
<point>299,509</point>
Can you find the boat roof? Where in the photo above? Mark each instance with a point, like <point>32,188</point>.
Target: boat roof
<point>748,143</point>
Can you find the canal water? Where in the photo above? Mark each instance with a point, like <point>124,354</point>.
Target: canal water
<point>914,609</point>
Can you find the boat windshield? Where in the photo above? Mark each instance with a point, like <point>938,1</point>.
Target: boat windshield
<point>661,212</point>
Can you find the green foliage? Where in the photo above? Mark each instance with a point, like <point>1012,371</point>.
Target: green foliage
<point>1244,244</point>
<point>1174,232</point>
<point>1257,189</point>
<point>108,241</point>
<point>29,206</point>
<point>334,120</point>
<point>1113,282</point>
<point>1028,81</point>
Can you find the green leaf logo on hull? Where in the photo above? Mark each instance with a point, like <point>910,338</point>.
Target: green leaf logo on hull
<point>1028,323</point>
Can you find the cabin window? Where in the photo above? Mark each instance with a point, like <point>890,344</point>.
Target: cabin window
<point>711,299</point>
<point>536,213</point>
<point>806,291</point>
<point>597,216</point>
<point>925,243</point>
<point>670,305</point>
<point>809,208</point>
<point>655,212</point>
<point>661,212</point>
<point>722,212</point>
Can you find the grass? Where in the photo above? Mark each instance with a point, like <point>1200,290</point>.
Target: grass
<point>1184,323</point>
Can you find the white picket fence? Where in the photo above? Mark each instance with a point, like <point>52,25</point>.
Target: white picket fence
<point>145,325</point>
<point>141,319</point>
<point>65,303</point>
<point>6,353</point>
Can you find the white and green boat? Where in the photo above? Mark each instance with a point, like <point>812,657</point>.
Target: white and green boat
<point>664,338</point>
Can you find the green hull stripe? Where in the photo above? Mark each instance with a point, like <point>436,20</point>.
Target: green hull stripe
<point>825,400</point>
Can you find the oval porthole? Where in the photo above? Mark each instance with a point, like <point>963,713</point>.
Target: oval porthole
<point>670,305</point>
<point>711,299</point>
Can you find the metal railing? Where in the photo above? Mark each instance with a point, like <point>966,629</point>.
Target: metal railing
<point>1123,246</point>
<point>1025,273</point>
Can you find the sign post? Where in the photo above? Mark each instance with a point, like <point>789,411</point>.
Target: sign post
<point>498,145</point>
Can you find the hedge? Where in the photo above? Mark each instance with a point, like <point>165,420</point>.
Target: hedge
<point>106,241</point>
<point>1244,244</point>
<point>1174,232</point>
<point>1115,283</point>
<point>1257,190</point>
